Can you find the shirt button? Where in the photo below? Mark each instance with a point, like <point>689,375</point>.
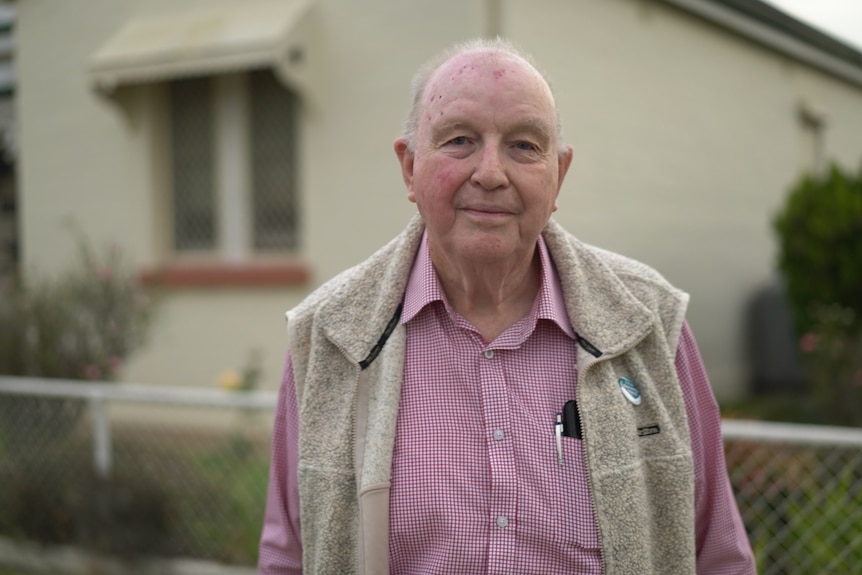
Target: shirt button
<point>498,434</point>
<point>489,353</point>
<point>502,521</point>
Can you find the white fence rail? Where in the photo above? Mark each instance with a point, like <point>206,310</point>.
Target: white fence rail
<point>77,470</point>
<point>790,433</point>
<point>99,395</point>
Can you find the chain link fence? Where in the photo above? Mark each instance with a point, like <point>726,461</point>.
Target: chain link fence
<point>799,490</point>
<point>134,472</point>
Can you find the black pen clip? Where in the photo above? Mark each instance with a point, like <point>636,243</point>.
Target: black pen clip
<point>571,420</point>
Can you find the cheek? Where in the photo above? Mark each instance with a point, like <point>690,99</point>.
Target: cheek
<point>440,183</point>
<point>436,184</point>
<point>447,178</point>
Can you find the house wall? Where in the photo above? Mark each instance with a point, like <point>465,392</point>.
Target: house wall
<point>686,139</point>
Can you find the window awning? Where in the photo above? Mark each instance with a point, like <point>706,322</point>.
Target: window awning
<point>204,42</point>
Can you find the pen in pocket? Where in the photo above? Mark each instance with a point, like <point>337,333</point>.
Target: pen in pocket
<point>558,432</point>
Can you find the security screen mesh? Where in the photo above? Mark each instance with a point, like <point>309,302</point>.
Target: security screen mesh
<point>273,111</point>
<point>193,174</point>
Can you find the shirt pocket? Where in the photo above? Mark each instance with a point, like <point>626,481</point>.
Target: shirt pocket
<point>559,508</point>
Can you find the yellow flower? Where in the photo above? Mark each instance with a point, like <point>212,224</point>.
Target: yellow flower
<point>230,380</point>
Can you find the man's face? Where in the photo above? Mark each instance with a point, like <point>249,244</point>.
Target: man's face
<point>485,170</point>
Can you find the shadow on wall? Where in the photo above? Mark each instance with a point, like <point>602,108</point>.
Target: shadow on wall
<point>773,351</point>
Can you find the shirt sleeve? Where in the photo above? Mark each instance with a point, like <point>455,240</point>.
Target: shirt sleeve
<point>280,545</point>
<point>723,547</point>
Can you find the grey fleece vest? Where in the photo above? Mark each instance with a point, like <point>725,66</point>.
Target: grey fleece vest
<point>347,348</point>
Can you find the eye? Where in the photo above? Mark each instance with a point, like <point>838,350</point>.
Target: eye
<point>458,141</point>
<point>526,148</point>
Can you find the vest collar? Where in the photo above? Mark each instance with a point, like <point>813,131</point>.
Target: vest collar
<point>356,317</point>
<point>607,318</point>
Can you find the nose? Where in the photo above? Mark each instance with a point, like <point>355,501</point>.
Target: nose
<point>490,173</point>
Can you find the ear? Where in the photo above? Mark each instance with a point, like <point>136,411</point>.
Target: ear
<point>564,160</point>
<point>405,158</point>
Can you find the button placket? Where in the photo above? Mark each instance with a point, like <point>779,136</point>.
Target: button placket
<point>503,488</point>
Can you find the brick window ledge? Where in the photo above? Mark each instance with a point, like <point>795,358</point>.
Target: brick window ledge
<point>227,275</point>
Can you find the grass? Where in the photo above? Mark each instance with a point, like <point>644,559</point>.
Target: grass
<point>792,407</point>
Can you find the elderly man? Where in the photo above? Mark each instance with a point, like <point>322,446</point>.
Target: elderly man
<point>487,394</point>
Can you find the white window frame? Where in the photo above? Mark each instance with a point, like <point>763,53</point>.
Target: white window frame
<point>233,194</point>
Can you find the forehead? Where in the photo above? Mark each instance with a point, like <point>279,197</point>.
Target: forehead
<point>492,78</point>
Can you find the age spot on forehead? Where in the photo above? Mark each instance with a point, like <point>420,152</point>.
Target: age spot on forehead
<point>499,73</point>
<point>461,71</point>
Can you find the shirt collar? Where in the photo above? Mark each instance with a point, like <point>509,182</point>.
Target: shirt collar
<point>423,288</point>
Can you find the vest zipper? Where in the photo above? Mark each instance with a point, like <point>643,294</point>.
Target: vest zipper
<point>581,372</point>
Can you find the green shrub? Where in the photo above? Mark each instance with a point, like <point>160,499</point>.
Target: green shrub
<point>80,324</point>
<point>820,241</point>
<point>820,257</point>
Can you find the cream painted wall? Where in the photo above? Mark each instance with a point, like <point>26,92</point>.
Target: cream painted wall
<point>685,138</point>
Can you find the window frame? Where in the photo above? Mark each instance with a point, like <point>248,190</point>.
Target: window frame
<point>233,260</point>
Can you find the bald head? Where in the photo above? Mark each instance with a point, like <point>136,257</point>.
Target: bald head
<point>497,48</point>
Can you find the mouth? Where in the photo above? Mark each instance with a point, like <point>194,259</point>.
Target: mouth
<point>487,211</point>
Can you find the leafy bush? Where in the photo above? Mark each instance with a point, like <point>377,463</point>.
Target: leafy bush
<point>820,235</point>
<point>81,324</point>
<point>820,257</point>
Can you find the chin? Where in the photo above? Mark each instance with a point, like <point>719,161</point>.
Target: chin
<point>486,252</point>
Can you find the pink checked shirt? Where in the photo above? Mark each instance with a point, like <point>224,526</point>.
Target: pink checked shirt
<point>476,483</point>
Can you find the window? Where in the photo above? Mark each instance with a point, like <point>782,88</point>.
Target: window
<point>233,166</point>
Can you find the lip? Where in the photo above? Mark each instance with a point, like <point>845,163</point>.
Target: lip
<point>487,211</point>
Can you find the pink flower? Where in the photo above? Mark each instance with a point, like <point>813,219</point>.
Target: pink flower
<point>115,363</point>
<point>92,372</point>
<point>808,342</point>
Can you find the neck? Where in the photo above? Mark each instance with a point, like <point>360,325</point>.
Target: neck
<point>492,297</point>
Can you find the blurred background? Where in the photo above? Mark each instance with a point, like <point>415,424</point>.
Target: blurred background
<point>176,174</point>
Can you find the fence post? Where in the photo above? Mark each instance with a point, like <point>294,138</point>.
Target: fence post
<point>101,437</point>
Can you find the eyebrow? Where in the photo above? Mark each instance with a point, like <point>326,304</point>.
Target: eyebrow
<point>451,126</point>
<point>538,126</point>
<point>532,125</point>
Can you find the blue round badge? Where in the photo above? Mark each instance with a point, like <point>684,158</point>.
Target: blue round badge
<point>630,390</point>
